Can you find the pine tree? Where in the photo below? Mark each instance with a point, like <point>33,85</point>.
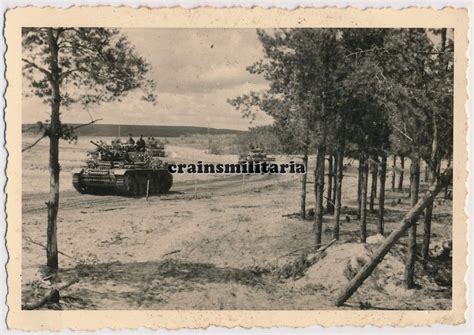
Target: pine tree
<point>76,65</point>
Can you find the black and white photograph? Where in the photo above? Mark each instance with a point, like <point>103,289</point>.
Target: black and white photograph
<point>180,169</point>
<point>134,195</point>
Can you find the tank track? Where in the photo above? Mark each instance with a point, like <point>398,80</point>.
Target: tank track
<point>131,183</point>
<point>76,177</point>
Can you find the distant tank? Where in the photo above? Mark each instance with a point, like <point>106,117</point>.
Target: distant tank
<point>121,169</point>
<point>155,148</point>
<point>256,155</point>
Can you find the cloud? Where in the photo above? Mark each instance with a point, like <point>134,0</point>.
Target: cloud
<point>190,109</point>
<point>196,71</point>
<point>197,60</point>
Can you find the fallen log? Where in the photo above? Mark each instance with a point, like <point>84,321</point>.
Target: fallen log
<point>51,297</point>
<point>321,249</point>
<point>297,268</point>
<point>317,255</point>
<point>410,219</point>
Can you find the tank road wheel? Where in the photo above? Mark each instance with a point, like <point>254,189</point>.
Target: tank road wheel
<point>130,184</point>
<point>141,188</point>
<point>139,181</point>
<point>76,182</point>
<point>156,183</point>
<point>169,181</point>
<point>133,190</point>
<point>81,189</point>
<point>165,180</point>
<point>142,185</point>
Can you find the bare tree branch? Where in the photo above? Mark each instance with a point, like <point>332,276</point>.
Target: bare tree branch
<point>30,63</point>
<point>29,239</point>
<point>28,147</point>
<point>67,73</point>
<point>403,133</point>
<point>445,119</point>
<point>357,53</point>
<point>29,128</point>
<point>86,124</point>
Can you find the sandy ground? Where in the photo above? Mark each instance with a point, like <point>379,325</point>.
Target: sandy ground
<point>211,243</point>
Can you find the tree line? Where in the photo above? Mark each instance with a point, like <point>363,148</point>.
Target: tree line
<point>364,94</point>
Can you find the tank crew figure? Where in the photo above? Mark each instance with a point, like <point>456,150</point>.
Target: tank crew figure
<point>141,144</point>
<point>153,143</point>
<point>130,139</point>
<point>116,143</point>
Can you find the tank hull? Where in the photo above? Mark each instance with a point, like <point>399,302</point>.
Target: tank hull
<point>256,156</point>
<point>126,182</point>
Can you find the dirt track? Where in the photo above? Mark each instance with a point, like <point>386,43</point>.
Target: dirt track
<point>181,190</point>
<point>206,249</point>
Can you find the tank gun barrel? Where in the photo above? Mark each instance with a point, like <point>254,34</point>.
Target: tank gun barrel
<point>100,146</point>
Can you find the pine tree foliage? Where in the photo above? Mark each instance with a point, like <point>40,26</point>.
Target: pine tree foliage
<point>360,93</point>
<point>64,66</point>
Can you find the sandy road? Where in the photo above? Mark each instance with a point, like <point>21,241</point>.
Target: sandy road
<point>181,190</point>
<point>187,250</point>
<point>210,238</point>
<point>196,247</point>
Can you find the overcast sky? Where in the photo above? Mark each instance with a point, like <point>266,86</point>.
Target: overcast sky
<point>196,71</point>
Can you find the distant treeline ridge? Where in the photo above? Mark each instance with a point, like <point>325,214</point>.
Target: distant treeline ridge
<point>107,130</point>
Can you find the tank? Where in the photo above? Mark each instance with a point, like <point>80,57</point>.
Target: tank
<point>122,170</point>
<point>155,148</point>
<point>256,155</point>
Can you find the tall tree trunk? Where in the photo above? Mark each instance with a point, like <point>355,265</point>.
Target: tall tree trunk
<point>338,189</point>
<point>425,248</point>
<point>408,220</point>
<point>433,166</point>
<point>446,188</point>
<point>319,193</point>
<point>394,167</point>
<point>303,184</point>
<point>319,178</point>
<point>334,182</point>
<point>409,275</point>
<point>373,185</point>
<point>359,186</point>
<point>383,172</point>
<point>54,168</point>
<point>402,166</point>
<point>363,200</point>
<point>329,203</point>
<point>376,175</point>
